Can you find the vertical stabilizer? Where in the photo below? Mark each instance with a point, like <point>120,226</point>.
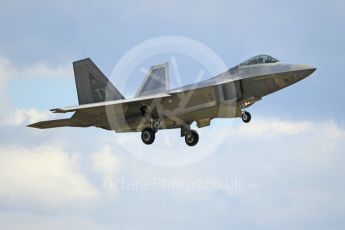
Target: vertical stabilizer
<point>156,81</point>
<point>92,85</point>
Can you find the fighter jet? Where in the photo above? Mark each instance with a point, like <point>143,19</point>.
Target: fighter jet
<point>156,106</point>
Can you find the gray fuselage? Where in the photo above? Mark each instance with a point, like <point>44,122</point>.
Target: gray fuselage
<point>223,96</point>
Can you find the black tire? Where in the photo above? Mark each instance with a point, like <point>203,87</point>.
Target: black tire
<point>246,117</point>
<point>192,139</point>
<point>148,136</point>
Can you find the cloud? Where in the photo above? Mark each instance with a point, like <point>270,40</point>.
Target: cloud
<point>34,221</point>
<point>274,126</point>
<point>10,114</point>
<point>189,12</point>
<point>292,167</point>
<point>42,70</point>
<point>169,151</point>
<point>37,70</point>
<point>106,162</point>
<point>17,116</point>
<point>6,70</point>
<point>44,176</point>
<point>41,177</point>
<point>290,171</point>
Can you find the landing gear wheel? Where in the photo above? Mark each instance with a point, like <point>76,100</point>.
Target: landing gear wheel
<point>148,136</point>
<point>246,117</point>
<point>192,139</point>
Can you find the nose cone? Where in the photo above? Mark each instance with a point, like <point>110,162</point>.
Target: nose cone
<point>309,68</point>
<point>304,71</point>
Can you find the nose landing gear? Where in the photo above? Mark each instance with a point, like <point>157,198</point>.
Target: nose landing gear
<point>246,117</point>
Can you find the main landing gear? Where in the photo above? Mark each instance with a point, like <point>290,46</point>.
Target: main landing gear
<point>148,136</point>
<point>191,136</point>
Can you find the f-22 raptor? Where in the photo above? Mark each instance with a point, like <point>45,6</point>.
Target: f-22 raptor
<point>156,106</point>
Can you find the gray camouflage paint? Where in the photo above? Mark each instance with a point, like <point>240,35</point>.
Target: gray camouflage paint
<point>223,96</point>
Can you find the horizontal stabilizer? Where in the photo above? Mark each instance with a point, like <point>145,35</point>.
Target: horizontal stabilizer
<point>156,81</point>
<point>54,124</point>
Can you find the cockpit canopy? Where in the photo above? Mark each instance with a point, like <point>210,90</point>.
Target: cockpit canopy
<point>260,59</point>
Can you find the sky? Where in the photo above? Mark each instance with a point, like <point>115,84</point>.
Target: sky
<point>283,170</point>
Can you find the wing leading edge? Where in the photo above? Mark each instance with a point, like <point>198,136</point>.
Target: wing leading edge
<point>106,103</point>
